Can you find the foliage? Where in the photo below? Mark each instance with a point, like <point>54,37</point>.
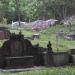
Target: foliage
<point>36,9</point>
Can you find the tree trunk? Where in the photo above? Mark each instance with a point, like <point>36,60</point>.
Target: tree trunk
<point>18,10</point>
<point>64,11</point>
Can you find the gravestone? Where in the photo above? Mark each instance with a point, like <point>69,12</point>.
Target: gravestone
<point>36,36</point>
<point>70,36</point>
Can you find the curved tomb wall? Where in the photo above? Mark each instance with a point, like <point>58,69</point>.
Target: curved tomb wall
<point>17,47</point>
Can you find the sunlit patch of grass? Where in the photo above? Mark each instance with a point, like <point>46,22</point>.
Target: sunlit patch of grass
<point>24,32</point>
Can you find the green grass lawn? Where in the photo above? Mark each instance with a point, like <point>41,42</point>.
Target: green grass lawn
<point>50,35</point>
<point>46,71</point>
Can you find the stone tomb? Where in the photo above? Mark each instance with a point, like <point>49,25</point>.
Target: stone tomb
<point>18,52</point>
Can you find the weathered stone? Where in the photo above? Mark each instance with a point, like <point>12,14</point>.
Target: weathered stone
<point>4,33</point>
<point>72,50</point>
<point>56,59</point>
<point>73,59</point>
<point>60,58</point>
<point>36,36</point>
<point>19,62</point>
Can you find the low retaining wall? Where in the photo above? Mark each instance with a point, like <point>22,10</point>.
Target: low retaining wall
<point>19,62</point>
<point>50,59</point>
<point>56,59</point>
<point>60,58</point>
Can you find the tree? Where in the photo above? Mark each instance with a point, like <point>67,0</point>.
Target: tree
<point>36,9</point>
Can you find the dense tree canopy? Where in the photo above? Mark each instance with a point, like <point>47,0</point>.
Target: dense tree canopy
<point>31,10</point>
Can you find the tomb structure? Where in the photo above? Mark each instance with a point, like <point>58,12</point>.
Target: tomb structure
<point>18,52</point>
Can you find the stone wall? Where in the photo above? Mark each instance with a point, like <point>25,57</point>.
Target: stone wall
<point>61,58</point>
<point>56,59</point>
<point>19,62</point>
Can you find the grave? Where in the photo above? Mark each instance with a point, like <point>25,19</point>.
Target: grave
<point>70,36</point>
<point>60,58</point>
<point>36,36</point>
<point>18,52</point>
<point>56,59</point>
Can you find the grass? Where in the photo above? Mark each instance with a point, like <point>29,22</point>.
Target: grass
<point>50,35</point>
<point>46,71</point>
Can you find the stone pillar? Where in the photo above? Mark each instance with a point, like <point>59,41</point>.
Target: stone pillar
<point>48,55</point>
<point>48,59</point>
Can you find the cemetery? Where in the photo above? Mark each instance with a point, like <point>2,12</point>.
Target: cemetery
<point>37,37</point>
